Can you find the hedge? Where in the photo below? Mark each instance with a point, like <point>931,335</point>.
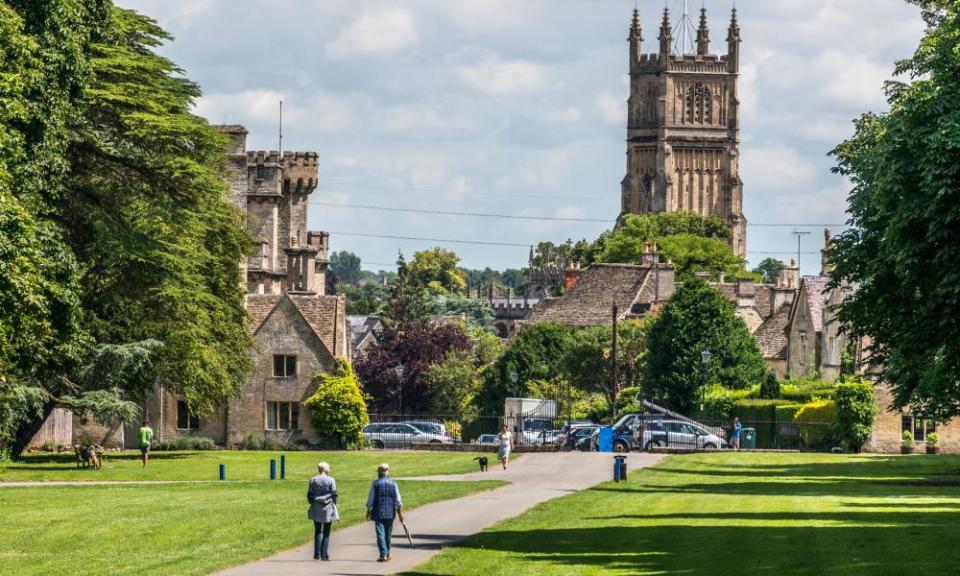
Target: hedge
<point>817,419</point>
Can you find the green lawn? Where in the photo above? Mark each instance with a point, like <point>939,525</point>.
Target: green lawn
<point>184,529</point>
<point>737,514</point>
<point>241,465</point>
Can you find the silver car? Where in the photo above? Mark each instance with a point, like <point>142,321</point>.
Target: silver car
<point>398,435</point>
<point>681,434</point>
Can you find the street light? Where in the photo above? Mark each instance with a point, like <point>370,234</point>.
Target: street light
<point>705,360</point>
<point>399,370</point>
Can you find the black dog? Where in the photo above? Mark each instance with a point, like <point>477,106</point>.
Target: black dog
<point>483,463</point>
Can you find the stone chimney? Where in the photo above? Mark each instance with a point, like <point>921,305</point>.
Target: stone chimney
<point>789,276</point>
<point>827,243</point>
<point>571,276</point>
<point>746,293</point>
<point>649,255</point>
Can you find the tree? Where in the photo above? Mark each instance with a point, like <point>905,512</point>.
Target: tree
<point>345,266</point>
<point>338,408</point>
<point>856,410</point>
<point>408,298</point>
<point>437,270</point>
<point>415,346</point>
<point>537,353</point>
<point>364,300</point>
<point>695,319</point>
<point>588,366</point>
<point>768,269</point>
<point>475,312</point>
<point>691,254</point>
<point>902,251</point>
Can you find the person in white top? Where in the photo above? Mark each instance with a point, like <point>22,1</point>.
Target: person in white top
<point>505,441</point>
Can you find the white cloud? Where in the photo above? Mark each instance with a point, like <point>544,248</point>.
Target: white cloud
<point>379,33</point>
<point>498,77</point>
<point>854,81</point>
<point>776,167</point>
<point>323,112</point>
<point>612,109</point>
<point>568,115</point>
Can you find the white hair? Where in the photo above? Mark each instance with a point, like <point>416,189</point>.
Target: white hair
<point>383,468</point>
<point>323,467</point>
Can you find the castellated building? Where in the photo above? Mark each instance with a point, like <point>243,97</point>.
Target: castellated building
<point>299,330</point>
<point>683,127</point>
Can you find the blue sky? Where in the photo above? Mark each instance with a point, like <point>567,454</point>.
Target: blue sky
<point>518,107</point>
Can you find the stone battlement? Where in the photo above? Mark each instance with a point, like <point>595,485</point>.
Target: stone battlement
<point>290,159</point>
<point>709,63</point>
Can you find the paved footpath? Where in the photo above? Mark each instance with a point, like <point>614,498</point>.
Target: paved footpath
<point>534,478</point>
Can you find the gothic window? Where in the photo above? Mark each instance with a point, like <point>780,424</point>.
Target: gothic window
<point>699,105</point>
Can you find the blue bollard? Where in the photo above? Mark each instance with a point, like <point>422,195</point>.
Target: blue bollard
<point>283,466</point>
<point>273,468</point>
<point>619,468</point>
<point>223,471</point>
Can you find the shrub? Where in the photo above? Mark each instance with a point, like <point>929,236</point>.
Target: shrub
<point>803,391</point>
<point>933,440</point>
<point>338,408</point>
<point>787,412</point>
<point>770,387</point>
<point>816,421</point>
<point>188,443</point>
<point>627,403</point>
<point>720,401</point>
<point>856,410</point>
<point>454,429</point>
<point>906,439</point>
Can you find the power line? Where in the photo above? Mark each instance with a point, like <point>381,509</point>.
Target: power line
<point>344,184</point>
<point>538,218</point>
<point>447,240</point>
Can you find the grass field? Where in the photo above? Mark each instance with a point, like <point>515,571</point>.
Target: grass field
<point>184,529</point>
<point>736,514</point>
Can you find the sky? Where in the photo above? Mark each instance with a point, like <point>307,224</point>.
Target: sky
<point>518,107</point>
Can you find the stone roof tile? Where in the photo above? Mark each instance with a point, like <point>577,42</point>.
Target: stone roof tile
<point>772,334</point>
<point>588,302</point>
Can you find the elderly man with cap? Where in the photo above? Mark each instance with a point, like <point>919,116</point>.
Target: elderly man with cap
<point>383,505</point>
<point>322,496</point>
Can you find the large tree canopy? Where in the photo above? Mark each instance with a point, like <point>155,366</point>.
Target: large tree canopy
<point>699,318</point>
<point>114,228</point>
<point>903,250</point>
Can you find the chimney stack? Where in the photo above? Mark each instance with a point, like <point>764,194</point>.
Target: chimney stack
<point>571,276</point>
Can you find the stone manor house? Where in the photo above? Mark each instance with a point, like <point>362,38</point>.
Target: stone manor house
<point>298,329</point>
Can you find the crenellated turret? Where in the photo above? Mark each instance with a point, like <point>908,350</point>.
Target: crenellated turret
<point>703,34</point>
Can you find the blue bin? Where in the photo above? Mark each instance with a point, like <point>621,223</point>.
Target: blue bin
<point>605,439</point>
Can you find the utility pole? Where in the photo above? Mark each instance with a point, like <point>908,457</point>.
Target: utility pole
<point>799,236</point>
<point>280,143</point>
<point>615,384</point>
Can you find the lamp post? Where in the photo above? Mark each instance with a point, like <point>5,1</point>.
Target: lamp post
<point>705,360</point>
<point>399,370</point>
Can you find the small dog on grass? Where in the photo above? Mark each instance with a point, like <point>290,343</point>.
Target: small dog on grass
<point>483,462</point>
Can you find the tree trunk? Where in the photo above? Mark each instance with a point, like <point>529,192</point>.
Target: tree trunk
<point>25,432</point>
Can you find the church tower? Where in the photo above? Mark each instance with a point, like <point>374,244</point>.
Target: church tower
<point>683,126</point>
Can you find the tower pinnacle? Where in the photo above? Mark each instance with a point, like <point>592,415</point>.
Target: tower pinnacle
<point>703,34</point>
<point>666,36</point>
<point>636,39</point>
<point>733,43</point>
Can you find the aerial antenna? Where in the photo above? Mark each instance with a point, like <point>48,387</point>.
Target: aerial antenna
<point>799,234</point>
<point>684,33</point>
<point>281,130</point>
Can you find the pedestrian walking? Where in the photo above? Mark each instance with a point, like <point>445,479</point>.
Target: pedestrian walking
<point>322,496</point>
<point>737,430</point>
<point>383,505</point>
<point>505,442</point>
<point>146,438</point>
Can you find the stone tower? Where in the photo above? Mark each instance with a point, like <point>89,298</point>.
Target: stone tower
<point>683,127</point>
<point>272,191</point>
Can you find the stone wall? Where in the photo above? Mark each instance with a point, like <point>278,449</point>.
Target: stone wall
<point>888,426</point>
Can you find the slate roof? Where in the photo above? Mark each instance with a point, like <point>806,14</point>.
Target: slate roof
<point>814,291</point>
<point>762,298</point>
<point>772,334</point>
<point>362,327</point>
<point>324,315</point>
<point>588,302</point>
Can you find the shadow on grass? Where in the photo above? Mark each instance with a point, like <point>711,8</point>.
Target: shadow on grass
<point>69,458</point>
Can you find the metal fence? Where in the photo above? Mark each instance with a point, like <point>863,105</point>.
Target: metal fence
<point>635,433</point>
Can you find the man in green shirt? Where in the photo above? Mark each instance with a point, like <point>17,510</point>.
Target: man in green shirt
<point>146,437</point>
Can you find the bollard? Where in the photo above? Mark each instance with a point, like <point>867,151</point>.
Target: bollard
<point>619,468</point>
<point>283,466</point>
<point>273,468</point>
<point>223,471</point>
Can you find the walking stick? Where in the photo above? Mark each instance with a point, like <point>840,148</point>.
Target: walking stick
<point>407,532</point>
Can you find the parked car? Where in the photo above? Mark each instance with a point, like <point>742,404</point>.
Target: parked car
<point>399,435</point>
<point>538,431</point>
<point>429,426</point>
<point>680,434</point>
<point>486,440</point>
<point>571,436</point>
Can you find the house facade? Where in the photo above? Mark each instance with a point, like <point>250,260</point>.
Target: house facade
<point>298,330</point>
